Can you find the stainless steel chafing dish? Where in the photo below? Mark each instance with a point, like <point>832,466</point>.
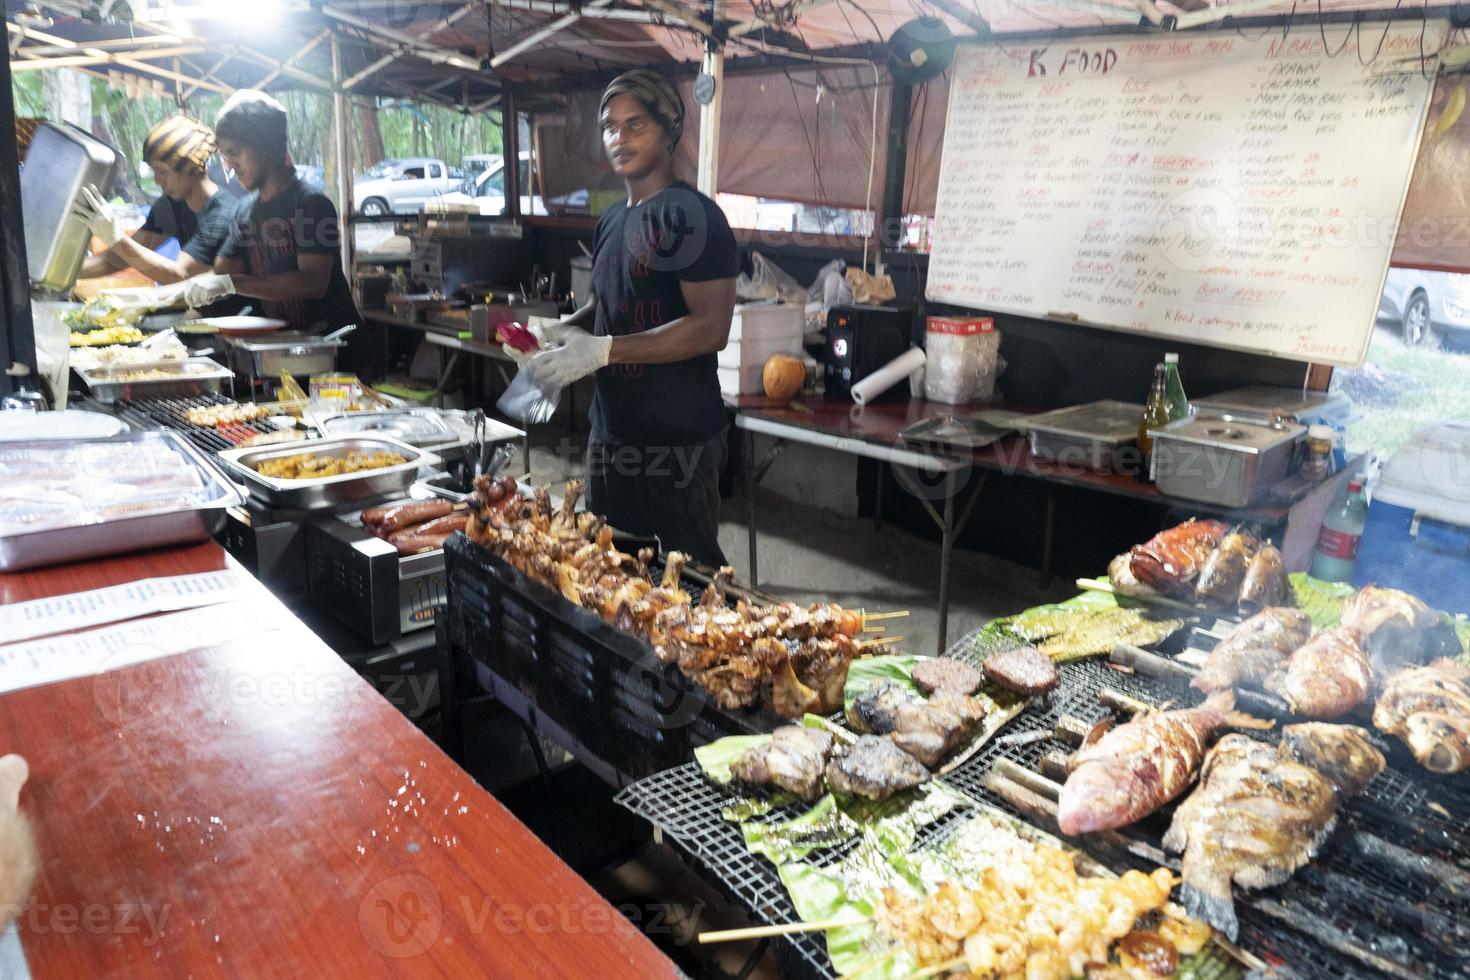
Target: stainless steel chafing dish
<point>190,377</point>
<point>60,162</point>
<point>1090,435</point>
<point>1222,459</point>
<point>329,491</point>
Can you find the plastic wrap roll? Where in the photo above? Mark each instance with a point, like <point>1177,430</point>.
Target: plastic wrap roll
<point>888,375</point>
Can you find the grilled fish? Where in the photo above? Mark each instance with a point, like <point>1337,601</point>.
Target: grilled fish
<point>1224,570</point>
<point>1429,708</point>
<point>874,768</point>
<point>876,709</point>
<point>1250,652</point>
<point>927,730</point>
<point>1261,812</point>
<point>1395,626</point>
<point>1266,582</point>
<point>1170,561</point>
<point>793,760</point>
<point>1138,767</point>
<point>1327,677</point>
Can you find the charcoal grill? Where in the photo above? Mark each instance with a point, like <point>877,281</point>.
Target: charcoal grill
<point>1360,892</point>
<point>603,692</point>
<point>171,413</point>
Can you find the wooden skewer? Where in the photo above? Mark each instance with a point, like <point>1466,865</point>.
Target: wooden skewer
<point>875,629</point>
<point>781,929</point>
<point>880,641</point>
<point>938,968</point>
<point>874,617</point>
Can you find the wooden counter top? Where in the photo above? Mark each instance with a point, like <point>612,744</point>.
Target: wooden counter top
<point>257,809</point>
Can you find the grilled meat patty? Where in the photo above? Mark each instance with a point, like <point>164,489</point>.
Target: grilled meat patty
<point>1138,767</point>
<point>793,760</point>
<point>1326,677</point>
<point>1024,670</point>
<point>1429,709</point>
<point>874,768</point>
<point>1262,811</point>
<point>927,730</point>
<point>875,709</point>
<point>943,674</point>
<point>1250,652</point>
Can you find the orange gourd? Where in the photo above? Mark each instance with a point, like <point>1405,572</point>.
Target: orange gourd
<point>783,376</point>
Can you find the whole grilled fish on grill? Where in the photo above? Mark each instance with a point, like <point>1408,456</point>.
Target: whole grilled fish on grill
<point>1171,560</point>
<point>874,768</point>
<point>928,730</point>
<point>1222,573</point>
<point>1266,582</point>
<point>1397,629</point>
<point>1262,811</point>
<point>1429,708</point>
<point>1326,677</point>
<point>793,760</point>
<point>1138,767</point>
<point>1251,651</point>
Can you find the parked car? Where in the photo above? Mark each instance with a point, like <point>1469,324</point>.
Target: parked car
<point>402,185</point>
<point>1427,306</point>
<point>485,192</point>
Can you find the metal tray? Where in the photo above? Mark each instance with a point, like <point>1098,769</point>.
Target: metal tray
<point>327,491</point>
<point>192,376</point>
<point>1089,434</point>
<point>1223,459</point>
<point>54,546</point>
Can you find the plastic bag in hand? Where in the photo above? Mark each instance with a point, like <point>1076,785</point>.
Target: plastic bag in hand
<point>527,402</point>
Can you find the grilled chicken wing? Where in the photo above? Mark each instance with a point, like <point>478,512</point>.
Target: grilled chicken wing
<point>1261,812</point>
<point>1138,767</point>
<point>1327,677</point>
<point>1171,560</point>
<point>1429,708</point>
<point>1253,650</point>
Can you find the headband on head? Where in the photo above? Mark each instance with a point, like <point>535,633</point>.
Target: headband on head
<point>180,143</point>
<point>657,94</point>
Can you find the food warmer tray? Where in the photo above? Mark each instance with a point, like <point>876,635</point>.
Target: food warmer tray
<point>363,582</point>
<point>191,377</point>
<point>1090,434</point>
<point>439,431</point>
<point>329,491</point>
<point>1222,459</point>
<point>54,546</point>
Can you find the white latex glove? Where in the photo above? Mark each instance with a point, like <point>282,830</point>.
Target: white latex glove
<point>549,334</point>
<point>209,288</point>
<point>580,355</point>
<point>99,216</point>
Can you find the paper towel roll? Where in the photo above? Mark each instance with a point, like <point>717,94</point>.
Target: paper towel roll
<point>888,375</point>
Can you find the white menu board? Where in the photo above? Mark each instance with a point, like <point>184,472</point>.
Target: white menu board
<point>1234,191</point>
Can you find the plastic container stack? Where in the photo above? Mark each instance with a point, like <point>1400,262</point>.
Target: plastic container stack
<point>962,359</point>
<point>757,331</point>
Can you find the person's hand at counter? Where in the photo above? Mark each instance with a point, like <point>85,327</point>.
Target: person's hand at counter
<point>579,355</point>
<point>99,216</point>
<point>209,288</point>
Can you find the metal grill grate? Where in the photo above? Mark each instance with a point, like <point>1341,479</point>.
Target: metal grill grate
<point>1377,904</point>
<point>169,413</point>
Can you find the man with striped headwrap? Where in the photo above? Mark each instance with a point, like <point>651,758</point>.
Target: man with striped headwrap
<point>193,209</point>
<point>663,292</point>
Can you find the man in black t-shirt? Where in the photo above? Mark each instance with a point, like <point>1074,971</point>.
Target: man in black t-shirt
<point>192,209</point>
<point>663,292</point>
<point>283,246</point>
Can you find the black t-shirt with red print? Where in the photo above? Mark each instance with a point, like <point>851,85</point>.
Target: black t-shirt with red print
<point>640,257</point>
<point>270,235</point>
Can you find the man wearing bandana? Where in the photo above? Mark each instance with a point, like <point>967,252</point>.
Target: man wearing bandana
<point>663,292</point>
<point>193,209</point>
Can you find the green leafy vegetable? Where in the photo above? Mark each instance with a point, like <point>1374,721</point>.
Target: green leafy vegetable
<point>718,756</point>
<point>1318,599</point>
<point>867,671</point>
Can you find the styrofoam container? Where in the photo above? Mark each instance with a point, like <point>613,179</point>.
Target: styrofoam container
<point>759,331</point>
<point>741,381</point>
<point>1417,535</point>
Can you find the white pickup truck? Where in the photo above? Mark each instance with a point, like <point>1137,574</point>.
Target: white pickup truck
<point>403,185</point>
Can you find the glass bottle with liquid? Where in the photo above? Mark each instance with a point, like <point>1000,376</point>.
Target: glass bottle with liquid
<point>1155,415</point>
<point>1174,389</point>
